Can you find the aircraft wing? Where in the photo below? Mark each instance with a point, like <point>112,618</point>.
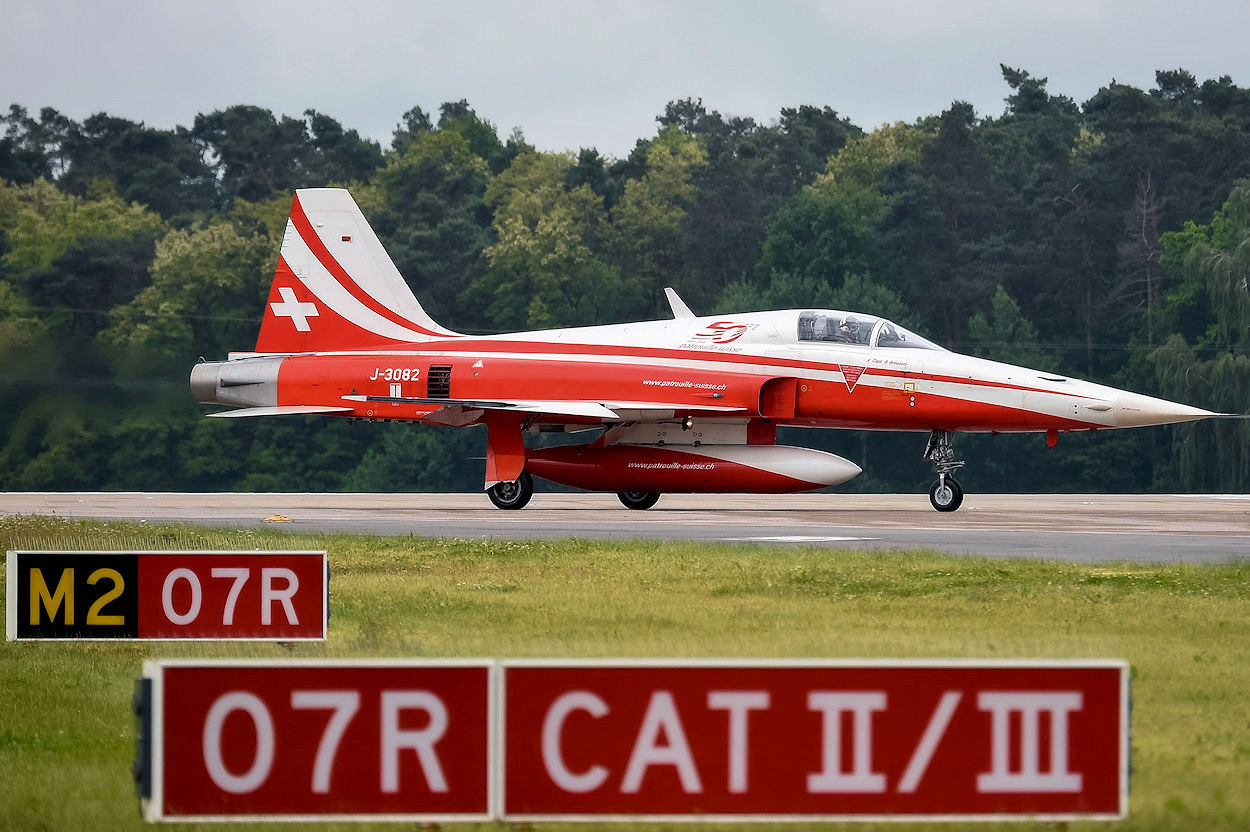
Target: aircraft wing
<point>282,410</point>
<point>593,410</point>
<point>555,408</point>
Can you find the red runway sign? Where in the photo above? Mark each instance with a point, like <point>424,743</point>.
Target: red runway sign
<point>757,741</point>
<point>393,740</point>
<point>621,740</point>
<point>280,596</point>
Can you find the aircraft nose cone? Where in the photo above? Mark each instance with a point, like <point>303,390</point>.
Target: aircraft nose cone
<point>1135,410</point>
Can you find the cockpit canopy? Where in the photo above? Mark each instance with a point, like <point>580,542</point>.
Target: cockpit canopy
<point>854,328</point>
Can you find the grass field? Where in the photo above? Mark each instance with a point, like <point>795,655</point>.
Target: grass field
<point>66,733</point>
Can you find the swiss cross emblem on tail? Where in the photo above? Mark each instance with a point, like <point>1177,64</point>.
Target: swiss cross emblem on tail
<point>290,307</point>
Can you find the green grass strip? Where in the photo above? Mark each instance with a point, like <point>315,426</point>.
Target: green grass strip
<point>66,733</point>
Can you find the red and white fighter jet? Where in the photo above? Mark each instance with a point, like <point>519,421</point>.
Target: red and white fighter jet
<point>684,405</point>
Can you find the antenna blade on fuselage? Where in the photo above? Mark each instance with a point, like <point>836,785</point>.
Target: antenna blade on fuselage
<point>680,310</point>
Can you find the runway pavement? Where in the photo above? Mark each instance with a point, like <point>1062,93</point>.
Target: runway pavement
<point>1154,528</point>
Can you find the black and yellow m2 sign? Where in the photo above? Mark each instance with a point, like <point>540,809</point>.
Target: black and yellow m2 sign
<point>69,595</point>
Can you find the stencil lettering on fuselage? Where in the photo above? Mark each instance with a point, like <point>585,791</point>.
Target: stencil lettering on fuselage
<point>850,375</point>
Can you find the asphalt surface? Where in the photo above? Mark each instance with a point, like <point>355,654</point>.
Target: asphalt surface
<point>1151,528</point>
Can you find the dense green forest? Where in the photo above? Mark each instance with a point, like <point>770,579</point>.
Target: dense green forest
<point>1109,240</point>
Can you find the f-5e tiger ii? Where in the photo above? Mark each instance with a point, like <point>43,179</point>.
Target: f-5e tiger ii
<point>687,405</point>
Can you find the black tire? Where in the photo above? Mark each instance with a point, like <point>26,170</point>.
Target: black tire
<point>946,498</point>
<point>638,500</point>
<point>512,495</point>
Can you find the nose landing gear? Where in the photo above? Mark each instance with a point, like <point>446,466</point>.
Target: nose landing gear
<point>946,494</point>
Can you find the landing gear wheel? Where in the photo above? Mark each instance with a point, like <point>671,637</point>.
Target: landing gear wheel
<point>946,494</point>
<point>639,500</point>
<point>512,495</point>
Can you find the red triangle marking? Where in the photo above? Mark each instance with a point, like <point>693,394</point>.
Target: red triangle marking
<point>850,375</point>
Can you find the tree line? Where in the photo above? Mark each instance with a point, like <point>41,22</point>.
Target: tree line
<point>1108,240</point>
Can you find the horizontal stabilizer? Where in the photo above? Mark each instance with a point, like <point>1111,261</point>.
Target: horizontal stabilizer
<point>282,410</point>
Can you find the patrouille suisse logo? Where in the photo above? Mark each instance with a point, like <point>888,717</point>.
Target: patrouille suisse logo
<point>723,332</point>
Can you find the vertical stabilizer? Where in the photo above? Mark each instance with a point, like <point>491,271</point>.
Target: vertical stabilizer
<point>335,286</point>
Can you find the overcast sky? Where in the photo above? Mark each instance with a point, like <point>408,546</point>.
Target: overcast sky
<point>585,74</point>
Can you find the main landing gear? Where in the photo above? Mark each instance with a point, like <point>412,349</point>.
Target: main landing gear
<point>946,494</point>
<point>512,495</point>
<point>639,500</point>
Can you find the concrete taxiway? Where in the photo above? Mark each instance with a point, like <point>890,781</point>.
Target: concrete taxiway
<point>1152,528</point>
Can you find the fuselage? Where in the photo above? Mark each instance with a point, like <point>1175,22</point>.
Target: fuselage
<point>734,367</point>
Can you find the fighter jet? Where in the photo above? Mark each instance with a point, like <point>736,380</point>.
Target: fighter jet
<point>687,405</point>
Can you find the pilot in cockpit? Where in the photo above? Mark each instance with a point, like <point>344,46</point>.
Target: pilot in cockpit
<point>864,330</point>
